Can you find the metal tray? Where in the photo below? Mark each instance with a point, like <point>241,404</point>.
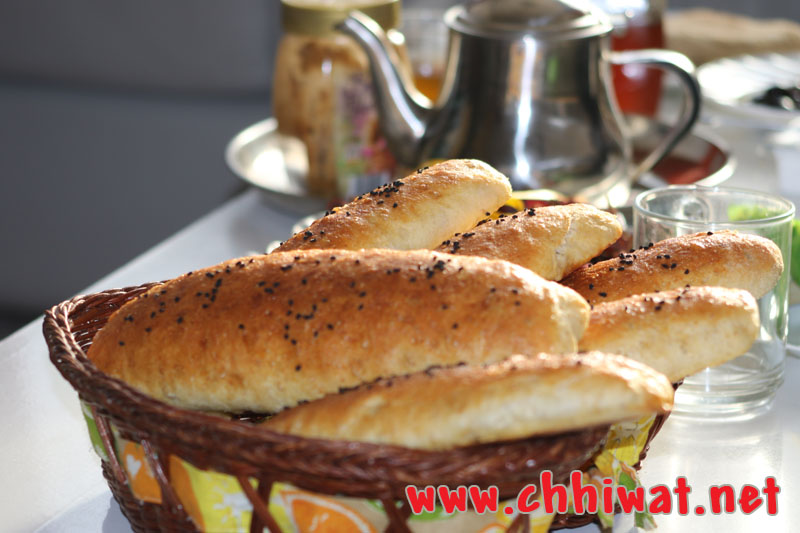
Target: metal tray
<point>277,164</point>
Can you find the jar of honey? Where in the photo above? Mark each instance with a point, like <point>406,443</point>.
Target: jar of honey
<point>322,94</point>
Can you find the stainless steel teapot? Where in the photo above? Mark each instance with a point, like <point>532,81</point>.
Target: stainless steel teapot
<point>527,88</point>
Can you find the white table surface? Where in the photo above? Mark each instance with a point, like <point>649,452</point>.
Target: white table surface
<point>50,478</point>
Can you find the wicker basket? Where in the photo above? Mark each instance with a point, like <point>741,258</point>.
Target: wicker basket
<point>248,451</point>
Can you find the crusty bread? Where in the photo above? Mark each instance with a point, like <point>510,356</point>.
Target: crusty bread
<point>551,241</point>
<point>520,397</point>
<point>721,259</point>
<point>270,331</point>
<point>417,212</point>
<point>677,332</point>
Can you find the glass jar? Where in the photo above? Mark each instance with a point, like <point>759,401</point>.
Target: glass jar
<point>322,94</point>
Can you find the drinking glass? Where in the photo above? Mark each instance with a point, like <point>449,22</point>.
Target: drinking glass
<point>746,385</point>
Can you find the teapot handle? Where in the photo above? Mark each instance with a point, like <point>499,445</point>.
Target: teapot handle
<point>684,68</point>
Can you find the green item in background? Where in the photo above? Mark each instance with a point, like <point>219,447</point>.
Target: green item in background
<point>752,212</point>
<point>795,268</point>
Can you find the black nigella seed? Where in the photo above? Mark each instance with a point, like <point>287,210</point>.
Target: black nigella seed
<point>603,294</point>
<point>329,326</point>
<point>121,343</point>
<point>362,294</point>
<point>360,307</point>
<point>129,318</point>
<point>241,326</point>
<point>294,341</point>
<point>686,271</point>
<point>153,314</point>
<point>455,325</point>
<point>591,286</point>
<point>148,330</point>
<point>298,367</point>
<point>177,298</point>
<point>394,204</point>
<point>180,319</point>
<point>209,274</point>
<point>710,233</point>
<point>205,306</point>
<point>286,267</point>
<point>673,265</point>
<point>303,281</point>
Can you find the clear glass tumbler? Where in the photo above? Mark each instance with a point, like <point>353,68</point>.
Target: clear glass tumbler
<point>745,386</point>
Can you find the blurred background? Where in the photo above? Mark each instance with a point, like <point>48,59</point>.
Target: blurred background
<point>113,120</point>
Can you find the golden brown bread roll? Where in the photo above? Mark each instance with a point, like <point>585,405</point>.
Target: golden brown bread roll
<point>677,332</point>
<point>721,259</point>
<point>417,212</point>
<point>551,241</point>
<point>518,398</point>
<point>267,332</point>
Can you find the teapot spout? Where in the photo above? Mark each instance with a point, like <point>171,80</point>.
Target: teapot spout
<point>403,111</point>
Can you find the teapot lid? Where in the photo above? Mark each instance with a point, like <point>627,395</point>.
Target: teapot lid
<point>516,18</point>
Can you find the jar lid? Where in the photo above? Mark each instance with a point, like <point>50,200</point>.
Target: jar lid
<point>515,18</point>
<point>317,17</point>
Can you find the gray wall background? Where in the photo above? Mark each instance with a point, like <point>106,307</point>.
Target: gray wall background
<point>113,118</point>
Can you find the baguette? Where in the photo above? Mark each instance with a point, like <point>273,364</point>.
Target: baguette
<point>518,398</point>
<point>417,212</point>
<point>551,241</point>
<point>721,259</point>
<point>677,332</point>
<point>262,333</point>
